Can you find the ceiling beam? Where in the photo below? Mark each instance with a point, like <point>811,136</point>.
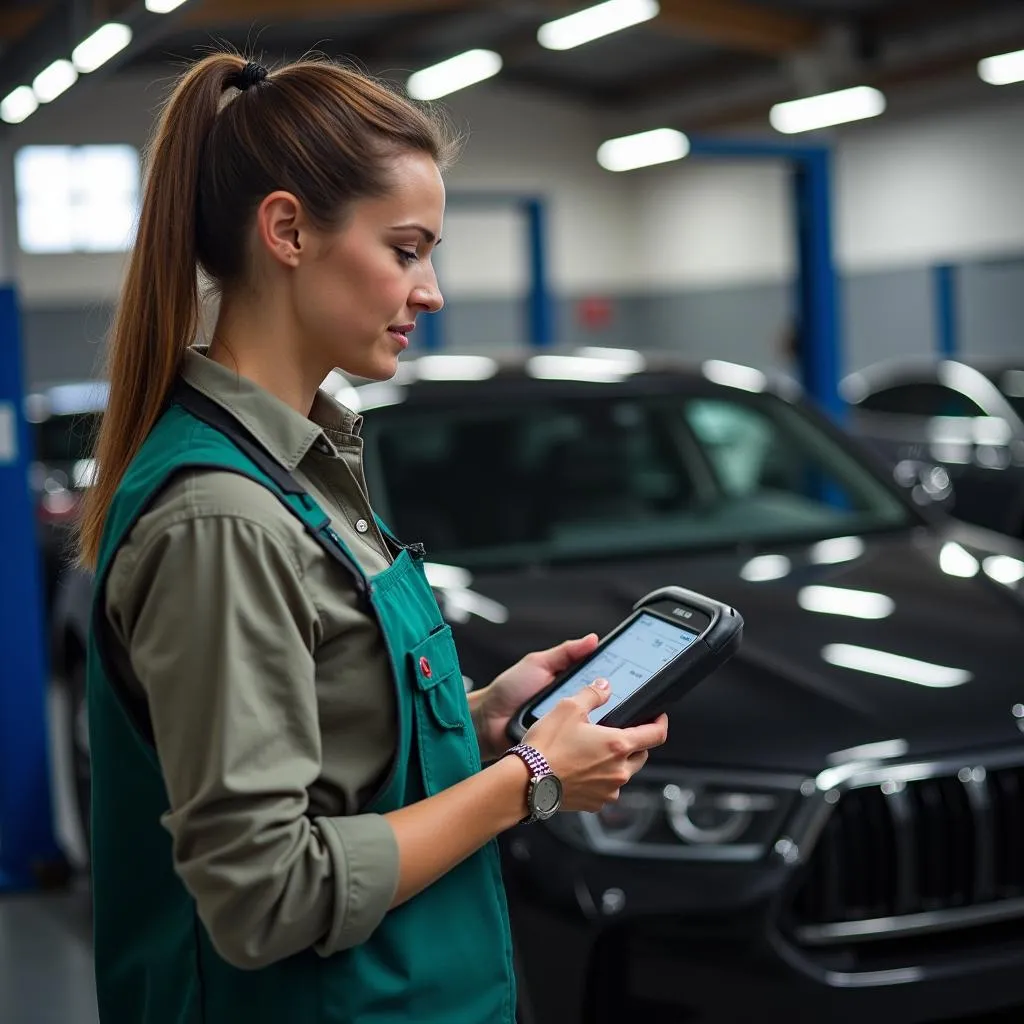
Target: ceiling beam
<point>207,13</point>
<point>16,22</point>
<point>735,25</point>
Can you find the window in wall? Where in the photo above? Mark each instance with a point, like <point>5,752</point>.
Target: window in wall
<point>76,198</point>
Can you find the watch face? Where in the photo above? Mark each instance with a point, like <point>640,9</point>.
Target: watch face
<point>547,795</point>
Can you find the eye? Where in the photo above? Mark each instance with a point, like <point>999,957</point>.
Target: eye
<point>406,255</point>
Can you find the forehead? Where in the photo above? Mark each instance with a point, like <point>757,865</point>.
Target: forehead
<point>417,190</point>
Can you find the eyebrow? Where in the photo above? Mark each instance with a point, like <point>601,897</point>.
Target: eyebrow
<point>427,234</point>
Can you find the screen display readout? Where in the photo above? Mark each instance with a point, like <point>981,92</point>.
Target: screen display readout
<point>635,655</point>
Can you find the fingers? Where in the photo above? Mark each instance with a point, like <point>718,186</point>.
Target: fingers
<point>592,696</point>
<point>648,735</point>
<point>558,659</point>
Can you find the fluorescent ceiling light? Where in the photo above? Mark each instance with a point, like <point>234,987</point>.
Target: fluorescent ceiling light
<point>595,22</point>
<point>1012,383</point>
<point>1004,569</point>
<point>856,604</point>
<point>765,568</point>
<point>881,751</point>
<point>18,105</point>
<point>628,360</point>
<point>455,367</point>
<point>894,666</point>
<point>957,561</point>
<point>54,80</point>
<point>104,43</point>
<point>658,146</point>
<point>734,375</point>
<point>1004,69</point>
<point>378,395</point>
<point>815,112</point>
<point>162,6</point>
<point>453,74</point>
<point>445,576</point>
<point>836,550</point>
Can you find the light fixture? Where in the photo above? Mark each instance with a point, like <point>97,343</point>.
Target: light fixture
<point>18,105</point>
<point>162,6</point>
<point>882,751</point>
<point>855,604</point>
<point>107,41</point>
<point>594,22</point>
<point>453,74</point>
<point>894,666</point>
<point>734,375</point>
<point>628,359</point>
<point>829,109</point>
<point>1003,69</point>
<point>54,80</point>
<point>657,146</point>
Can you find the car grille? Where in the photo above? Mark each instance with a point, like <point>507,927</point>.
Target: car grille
<point>902,856</point>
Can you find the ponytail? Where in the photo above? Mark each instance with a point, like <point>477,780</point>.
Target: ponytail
<point>158,313</point>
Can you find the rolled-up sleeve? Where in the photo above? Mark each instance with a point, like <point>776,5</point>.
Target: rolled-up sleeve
<point>220,634</point>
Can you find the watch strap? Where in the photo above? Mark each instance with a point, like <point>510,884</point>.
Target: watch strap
<point>533,758</point>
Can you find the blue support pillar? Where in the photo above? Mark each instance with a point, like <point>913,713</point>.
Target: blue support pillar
<point>430,332</point>
<point>817,291</point>
<point>27,844</point>
<point>541,303</point>
<point>947,320</point>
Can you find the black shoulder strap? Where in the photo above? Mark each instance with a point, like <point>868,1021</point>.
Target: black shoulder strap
<point>205,409</point>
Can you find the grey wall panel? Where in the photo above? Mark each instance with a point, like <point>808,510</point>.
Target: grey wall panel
<point>887,314</point>
<point>64,343</point>
<point>992,308</point>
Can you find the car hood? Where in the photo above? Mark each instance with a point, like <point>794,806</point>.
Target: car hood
<point>798,692</point>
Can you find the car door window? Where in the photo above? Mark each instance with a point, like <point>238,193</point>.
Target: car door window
<point>922,399</point>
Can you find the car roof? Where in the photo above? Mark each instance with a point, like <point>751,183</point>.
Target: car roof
<point>431,377</point>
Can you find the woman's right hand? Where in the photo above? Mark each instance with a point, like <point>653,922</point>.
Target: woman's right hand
<point>593,762</point>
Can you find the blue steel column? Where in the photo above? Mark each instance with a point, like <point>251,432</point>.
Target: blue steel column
<point>27,843</point>
<point>946,315</point>
<point>541,304</point>
<point>817,291</point>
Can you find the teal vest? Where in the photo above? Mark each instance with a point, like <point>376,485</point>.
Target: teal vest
<point>443,957</point>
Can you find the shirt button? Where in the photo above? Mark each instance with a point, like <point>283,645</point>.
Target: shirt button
<point>362,526</point>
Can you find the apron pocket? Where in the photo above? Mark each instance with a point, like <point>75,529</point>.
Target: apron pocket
<point>443,728</point>
<point>435,665</point>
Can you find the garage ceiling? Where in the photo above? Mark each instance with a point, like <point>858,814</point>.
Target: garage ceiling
<point>706,64</point>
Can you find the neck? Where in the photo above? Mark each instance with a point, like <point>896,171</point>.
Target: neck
<point>262,347</point>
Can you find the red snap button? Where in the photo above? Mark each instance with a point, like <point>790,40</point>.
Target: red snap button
<point>425,667</point>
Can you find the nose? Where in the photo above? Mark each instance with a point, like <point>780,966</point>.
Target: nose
<point>427,296</point>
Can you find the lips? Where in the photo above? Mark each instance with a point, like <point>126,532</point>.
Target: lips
<point>403,330</point>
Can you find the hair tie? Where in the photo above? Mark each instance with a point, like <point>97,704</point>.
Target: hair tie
<point>250,75</point>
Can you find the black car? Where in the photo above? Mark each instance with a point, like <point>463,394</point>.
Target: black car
<point>64,419</point>
<point>964,418</point>
<point>835,829</point>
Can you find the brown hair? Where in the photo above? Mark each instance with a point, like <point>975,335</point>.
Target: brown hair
<point>313,128</point>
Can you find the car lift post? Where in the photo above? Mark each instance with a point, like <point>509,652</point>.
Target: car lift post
<point>817,297</point>
<point>540,306</point>
<point>944,282</point>
<point>28,848</point>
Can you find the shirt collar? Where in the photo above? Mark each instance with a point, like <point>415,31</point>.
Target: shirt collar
<point>283,431</point>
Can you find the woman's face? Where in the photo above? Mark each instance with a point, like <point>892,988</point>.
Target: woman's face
<point>359,289</point>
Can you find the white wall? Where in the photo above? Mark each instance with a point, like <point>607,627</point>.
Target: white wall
<point>946,187</point>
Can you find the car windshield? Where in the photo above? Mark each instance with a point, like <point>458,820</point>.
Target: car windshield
<point>544,481</point>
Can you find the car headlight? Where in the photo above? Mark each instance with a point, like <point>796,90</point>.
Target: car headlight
<point>688,816</point>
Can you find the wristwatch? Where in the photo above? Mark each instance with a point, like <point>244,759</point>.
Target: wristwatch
<point>544,793</point>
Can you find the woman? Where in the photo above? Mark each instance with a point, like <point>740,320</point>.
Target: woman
<point>290,818</point>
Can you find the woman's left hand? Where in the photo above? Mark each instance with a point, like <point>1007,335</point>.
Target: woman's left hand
<point>494,705</point>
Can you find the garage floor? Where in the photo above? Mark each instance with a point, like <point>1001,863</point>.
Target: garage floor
<point>46,960</point>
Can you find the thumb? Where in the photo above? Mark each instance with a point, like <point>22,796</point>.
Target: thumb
<point>594,695</point>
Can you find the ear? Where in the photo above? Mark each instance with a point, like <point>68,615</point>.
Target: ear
<point>281,227</point>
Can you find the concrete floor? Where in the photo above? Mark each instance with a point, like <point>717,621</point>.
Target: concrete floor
<point>46,960</point>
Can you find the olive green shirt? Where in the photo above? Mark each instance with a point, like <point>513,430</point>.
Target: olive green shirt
<point>268,686</point>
